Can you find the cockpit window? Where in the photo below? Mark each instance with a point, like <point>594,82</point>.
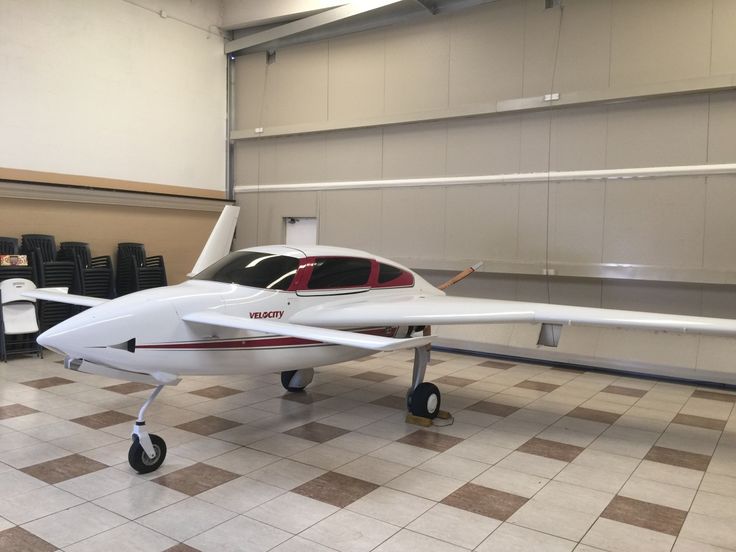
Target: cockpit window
<point>339,272</point>
<point>253,269</point>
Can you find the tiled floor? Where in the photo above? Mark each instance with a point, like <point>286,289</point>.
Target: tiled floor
<point>537,459</point>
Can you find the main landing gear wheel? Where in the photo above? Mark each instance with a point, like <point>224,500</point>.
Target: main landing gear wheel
<point>139,459</point>
<point>296,380</point>
<point>425,400</point>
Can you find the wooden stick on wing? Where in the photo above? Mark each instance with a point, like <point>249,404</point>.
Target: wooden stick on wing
<point>451,282</point>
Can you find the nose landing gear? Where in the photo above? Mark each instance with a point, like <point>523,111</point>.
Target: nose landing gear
<point>148,451</point>
<point>423,399</point>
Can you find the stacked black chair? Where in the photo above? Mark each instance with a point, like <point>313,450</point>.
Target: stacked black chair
<point>93,276</point>
<point>8,246</point>
<point>136,271</point>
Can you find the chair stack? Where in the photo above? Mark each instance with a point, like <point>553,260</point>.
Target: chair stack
<point>93,276</point>
<point>18,319</point>
<point>9,246</point>
<point>49,272</point>
<point>136,271</point>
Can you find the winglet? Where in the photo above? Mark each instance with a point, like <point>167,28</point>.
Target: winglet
<point>220,240</point>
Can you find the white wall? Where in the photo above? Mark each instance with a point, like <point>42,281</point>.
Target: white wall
<point>106,88</point>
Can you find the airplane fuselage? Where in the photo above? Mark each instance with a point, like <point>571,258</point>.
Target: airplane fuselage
<point>143,333</point>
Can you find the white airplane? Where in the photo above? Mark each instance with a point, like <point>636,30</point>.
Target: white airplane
<point>290,309</point>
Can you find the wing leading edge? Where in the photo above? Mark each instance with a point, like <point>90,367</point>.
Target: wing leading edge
<point>440,310</point>
<point>61,296</point>
<point>312,333</point>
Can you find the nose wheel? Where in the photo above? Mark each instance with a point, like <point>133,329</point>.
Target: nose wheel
<point>148,451</point>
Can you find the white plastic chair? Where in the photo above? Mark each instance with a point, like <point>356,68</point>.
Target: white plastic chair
<point>19,313</point>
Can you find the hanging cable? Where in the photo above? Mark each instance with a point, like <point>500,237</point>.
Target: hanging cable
<point>549,148</point>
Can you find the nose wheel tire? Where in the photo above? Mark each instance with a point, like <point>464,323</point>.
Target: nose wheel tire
<point>425,400</point>
<point>140,461</point>
<point>286,378</point>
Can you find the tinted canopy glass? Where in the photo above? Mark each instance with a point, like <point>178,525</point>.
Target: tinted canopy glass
<point>339,272</point>
<point>253,269</point>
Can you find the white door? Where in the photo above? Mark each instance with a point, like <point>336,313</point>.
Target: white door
<point>301,231</point>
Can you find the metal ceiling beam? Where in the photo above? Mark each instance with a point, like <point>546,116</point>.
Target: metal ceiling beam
<point>306,24</point>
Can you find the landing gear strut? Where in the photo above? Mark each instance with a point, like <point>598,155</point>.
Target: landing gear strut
<point>423,398</point>
<point>148,451</point>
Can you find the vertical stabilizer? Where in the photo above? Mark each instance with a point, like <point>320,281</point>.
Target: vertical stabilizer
<point>220,240</point>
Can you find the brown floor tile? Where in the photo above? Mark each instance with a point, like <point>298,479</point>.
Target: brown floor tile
<point>216,392</point>
<point>497,409</point>
<point>551,449</point>
<point>314,431</point>
<point>699,421</point>
<point>497,364</point>
<point>391,401</point>
<point>713,395</point>
<point>628,391</point>
<point>484,501</point>
<point>432,361</point>
<point>61,469</point>
<point>680,458</point>
<point>377,377</point>
<point>567,370</point>
<point>594,415</point>
<point>537,385</point>
<point>430,440</point>
<point>336,489</point>
<point>47,382</point>
<point>305,397</point>
<point>195,479</point>
<point>645,514</point>
<point>452,380</point>
<point>15,410</point>
<point>17,539</point>
<point>103,419</point>
<point>208,425</point>
<point>128,388</point>
<point>181,547</point>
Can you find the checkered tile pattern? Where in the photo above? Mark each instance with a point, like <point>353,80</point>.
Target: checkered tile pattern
<point>537,458</point>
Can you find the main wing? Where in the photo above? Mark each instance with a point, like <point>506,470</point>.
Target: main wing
<point>311,333</point>
<point>440,310</point>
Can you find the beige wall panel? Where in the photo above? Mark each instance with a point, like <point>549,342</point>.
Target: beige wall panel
<point>533,289</point>
<point>582,292</point>
<point>652,296</point>
<point>354,154</point>
<point>585,43</point>
<point>413,151</point>
<point>722,127</point>
<point>659,40</point>
<point>534,141</point>
<point>246,162</point>
<point>301,159</point>
<point>716,353</point>
<point>296,85</point>
<point>524,335</point>
<point>486,145</point>
<point>487,53</point>
<point>417,67</point>
<point>272,208</point>
<point>658,132</point>
<point>356,76</point>
<point>249,75</point>
<point>579,139</point>
<point>720,223</point>
<point>576,222</point>
<point>723,58</point>
<point>267,160</point>
<point>540,35</point>
<point>480,284</point>
<point>657,348</point>
<point>481,222</point>
<point>655,222</point>
<point>246,231</point>
<point>350,218</point>
<point>719,301</point>
<point>580,340</point>
<point>178,235</point>
<point>532,238</point>
<point>412,222</point>
<point>490,333</point>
